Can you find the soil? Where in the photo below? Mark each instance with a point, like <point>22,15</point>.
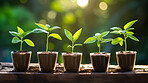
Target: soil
<point>47,61</point>
<point>126,60</point>
<point>72,61</point>
<point>21,60</point>
<point>100,61</point>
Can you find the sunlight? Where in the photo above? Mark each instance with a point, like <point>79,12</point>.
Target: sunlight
<point>82,3</point>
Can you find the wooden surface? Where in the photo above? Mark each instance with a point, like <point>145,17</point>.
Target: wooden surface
<point>8,75</point>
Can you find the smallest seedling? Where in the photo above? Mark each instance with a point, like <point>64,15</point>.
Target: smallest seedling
<point>73,38</point>
<point>18,37</point>
<point>99,38</point>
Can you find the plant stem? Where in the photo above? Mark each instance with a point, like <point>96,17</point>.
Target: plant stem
<point>100,48</point>
<point>125,43</point>
<point>21,43</point>
<point>47,42</point>
<point>72,47</point>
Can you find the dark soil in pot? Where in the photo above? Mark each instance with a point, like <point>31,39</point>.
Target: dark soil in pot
<point>47,61</point>
<point>72,61</point>
<point>100,61</point>
<point>126,60</point>
<point>21,60</point>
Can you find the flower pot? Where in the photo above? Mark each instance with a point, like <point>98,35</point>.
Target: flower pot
<point>72,61</point>
<point>100,61</point>
<point>21,60</point>
<point>126,60</point>
<point>47,61</point>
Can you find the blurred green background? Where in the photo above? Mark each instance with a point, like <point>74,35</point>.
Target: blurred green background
<point>91,15</point>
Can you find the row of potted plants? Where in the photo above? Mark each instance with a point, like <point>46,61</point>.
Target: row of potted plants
<point>72,60</point>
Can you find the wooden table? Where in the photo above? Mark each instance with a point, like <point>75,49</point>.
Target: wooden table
<point>7,75</point>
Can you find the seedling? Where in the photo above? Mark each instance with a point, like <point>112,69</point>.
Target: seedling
<point>18,37</point>
<point>127,33</point>
<point>99,38</point>
<point>47,29</point>
<point>73,38</point>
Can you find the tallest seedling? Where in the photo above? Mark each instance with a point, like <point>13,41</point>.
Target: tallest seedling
<point>127,33</point>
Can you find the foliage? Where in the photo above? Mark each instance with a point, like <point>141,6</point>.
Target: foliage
<point>47,29</point>
<point>18,37</point>
<point>127,33</point>
<point>99,38</point>
<point>73,38</point>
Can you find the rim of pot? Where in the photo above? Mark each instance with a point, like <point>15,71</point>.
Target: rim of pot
<point>21,52</point>
<point>42,52</point>
<point>96,53</point>
<point>72,53</point>
<point>119,52</point>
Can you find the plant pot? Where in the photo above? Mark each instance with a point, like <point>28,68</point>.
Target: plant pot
<point>100,61</point>
<point>47,61</point>
<point>126,60</point>
<point>72,61</point>
<point>21,60</point>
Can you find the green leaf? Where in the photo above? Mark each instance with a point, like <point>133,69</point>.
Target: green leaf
<point>106,40</point>
<point>53,28</point>
<point>55,35</point>
<point>48,26</point>
<point>90,40</point>
<point>104,33</point>
<point>129,32</point>
<point>98,43</point>
<point>69,46</point>
<point>39,31</point>
<point>97,35</point>
<point>15,40</point>
<point>121,42</point>
<point>129,29</point>
<point>78,45</point>
<point>133,37</point>
<point>68,35</point>
<point>13,33</point>
<point>26,33</point>
<point>20,31</point>
<point>116,28</point>
<point>116,40</point>
<point>42,26</point>
<point>29,42</point>
<point>77,34</point>
<point>129,24</point>
<point>116,32</point>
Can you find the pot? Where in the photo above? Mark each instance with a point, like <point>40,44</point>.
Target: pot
<point>72,61</point>
<point>126,60</point>
<point>21,60</point>
<point>100,61</point>
<point>47,61</point>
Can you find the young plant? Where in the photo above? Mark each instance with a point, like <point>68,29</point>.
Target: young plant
<point>18,37</point>
<point>127,33</point>
<point>47,29</point>
<point>99,38</point>
<point>73,38</point>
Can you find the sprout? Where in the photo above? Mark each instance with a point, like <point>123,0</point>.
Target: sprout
<point>19,37</point>
<point>127,33</point>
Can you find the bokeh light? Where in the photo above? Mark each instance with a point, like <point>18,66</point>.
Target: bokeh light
<point>42,21</point>
<point>52,14</point>
<point>23,1</point>
<point>103,6</point>
<point>82,3</point>
<point>51,46</point>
